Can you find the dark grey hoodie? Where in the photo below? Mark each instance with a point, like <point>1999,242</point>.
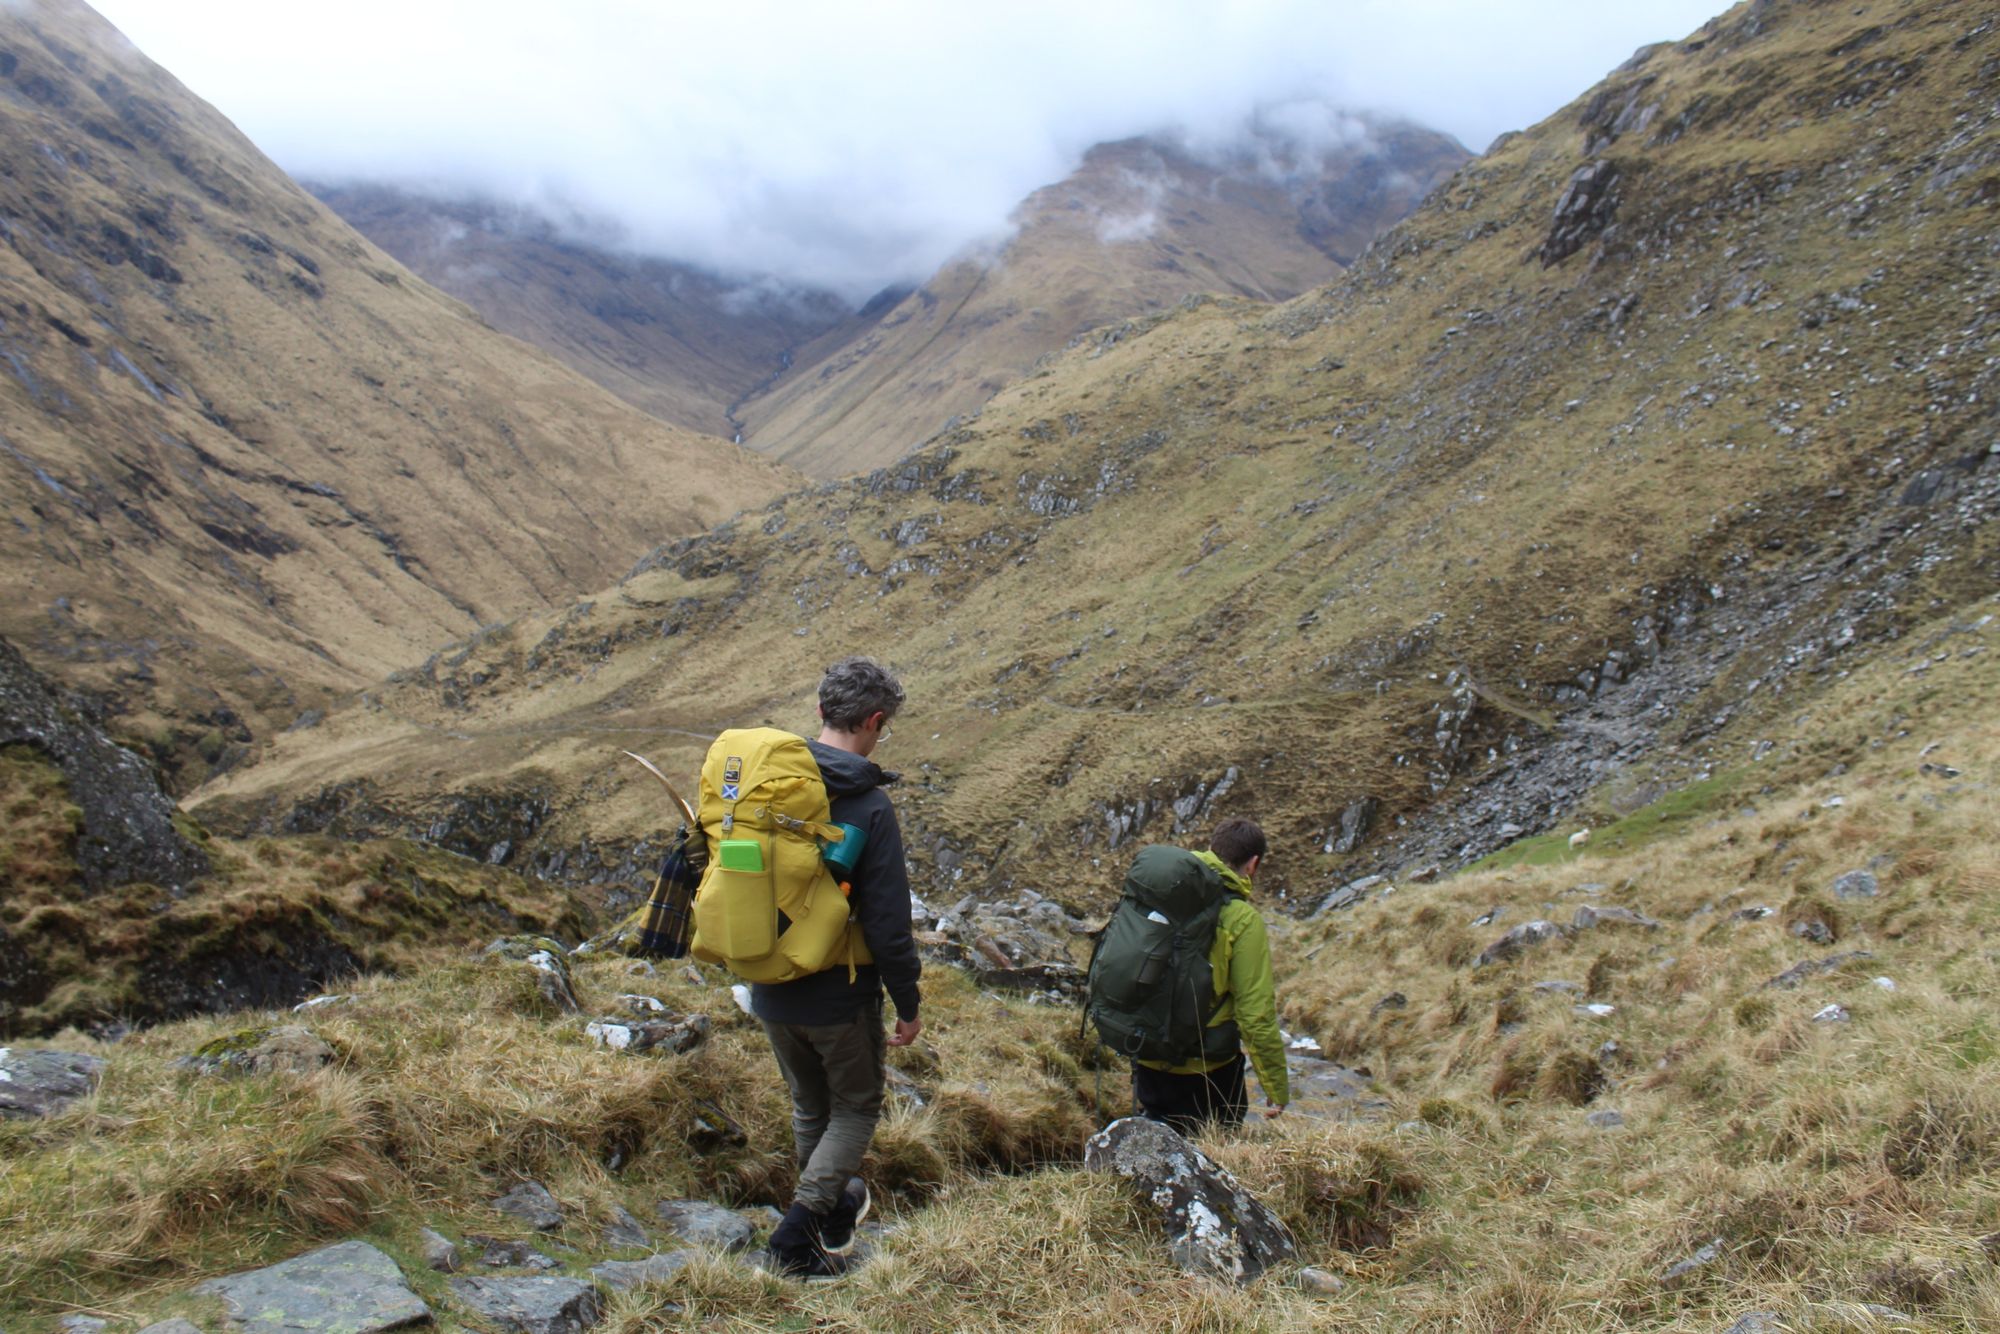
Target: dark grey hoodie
<point>880,903</point>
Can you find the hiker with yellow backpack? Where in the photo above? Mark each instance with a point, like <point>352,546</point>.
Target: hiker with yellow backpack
<point>806,897</point>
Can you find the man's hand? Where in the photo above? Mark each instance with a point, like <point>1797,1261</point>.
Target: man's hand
<point>1272,1110</point>
<point>906,1032</point>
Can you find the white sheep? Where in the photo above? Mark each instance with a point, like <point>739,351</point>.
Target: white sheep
<point>1579,838</point>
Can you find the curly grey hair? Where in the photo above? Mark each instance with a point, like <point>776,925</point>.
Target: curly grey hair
<point>855,688</point>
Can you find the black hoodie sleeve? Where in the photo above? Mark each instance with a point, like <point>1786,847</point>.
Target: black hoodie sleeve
<point>882,906</point>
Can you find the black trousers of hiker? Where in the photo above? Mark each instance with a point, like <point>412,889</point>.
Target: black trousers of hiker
<point>1185,1102</point>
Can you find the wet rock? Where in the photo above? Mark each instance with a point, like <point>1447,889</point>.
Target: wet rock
<point>128,832</point>
<point>705,1224</point>
<point>532,1204</point>
<point>42,1083</point>
<point>1856,885</point>
<point>1809,968</point>
<point>624,1275</point>
<point>1517,942</point>
<point>439,1251</point>
<point>1680,1273</point>
<point>539,1305</point>
<point>677,1035</point>
<point>350,1287</point>
<point>1214,1227</point>
<point>1596,915</point>
<point>550,962</point>
<point>287,1050</point>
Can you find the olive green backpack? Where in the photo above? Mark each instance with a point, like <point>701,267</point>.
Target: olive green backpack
<point>1151,989</point>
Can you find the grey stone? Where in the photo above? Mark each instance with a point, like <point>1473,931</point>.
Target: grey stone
<point>286,1050</point>
<point>42,1083</point>
<point>82,1324</point>
<point>1596,915</point>
<point>678,1035</point>
<point>624,1232</point>
<point>1352,826</point>
<point>174,1326</point>
<point>508,1253</point>
<point>1214,1227</point>
<point>1832,1014</point>
<point>1605,1119</point>
<point>1806,968</point>
<point>1856,885</point>
<point>1814,931</point>
<point>705,1224</point>
<point>439,1251</point>
<point>532,1204</point>
<point>1680,1273</point>
<point>1754,914</point>
<point>1559,988</point>
<point>623,1275</point>
<point>1517,941</point>
<point>1320,1281</point>
<point>348,1288</point>
<point>537,1305</point>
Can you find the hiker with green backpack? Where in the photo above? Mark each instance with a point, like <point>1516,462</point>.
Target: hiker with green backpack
<point>1181,982</point>
<point>806,897</point>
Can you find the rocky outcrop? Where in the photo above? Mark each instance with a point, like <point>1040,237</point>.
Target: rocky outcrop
<point>1214,1227</point>
<point>128,831</point>
<point>538,1305</point>
<point>288,1050</point>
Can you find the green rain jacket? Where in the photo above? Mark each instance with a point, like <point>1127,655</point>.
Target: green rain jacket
<point>1241,961</point>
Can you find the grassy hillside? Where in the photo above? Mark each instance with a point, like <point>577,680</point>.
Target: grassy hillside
<point>1139,226</point>
<point>1840,1167</point>
<point>250,460</point>
<point>1569,497</point>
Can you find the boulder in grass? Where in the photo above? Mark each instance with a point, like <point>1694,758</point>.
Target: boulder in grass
<point>532,1204</point>
<point>349,1288</point>
<point>1214,1227</point>
<point>287,1050</point>
<point>537,1305</point>
<point>1596,915</point>
<point>624,1275</point>
<point>1517,942</point>
<point>674,1034</point>
<point>42,1083</point>
<point>706,1224</point>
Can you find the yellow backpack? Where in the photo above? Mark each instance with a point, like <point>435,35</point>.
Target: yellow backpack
<point>768,908</point>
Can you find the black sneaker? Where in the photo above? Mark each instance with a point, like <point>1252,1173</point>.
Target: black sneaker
<point>836,1235</point>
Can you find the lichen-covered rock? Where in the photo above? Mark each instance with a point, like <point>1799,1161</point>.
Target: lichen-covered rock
<point>289,1050</point>
<point>550,962</point>
<point>1214,1226</point>
<point>439,1251</point>
<point>349,1288</point>
<point>42,1083</point>
<point>128,832</point>
<point>538,1305</point>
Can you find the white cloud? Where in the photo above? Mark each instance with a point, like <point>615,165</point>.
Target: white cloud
<point>854,144</point>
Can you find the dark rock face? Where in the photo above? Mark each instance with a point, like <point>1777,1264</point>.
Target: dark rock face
<point>1213,1225</point>
<point>1585,210</point>
<point>128,821</point>
<point>41,1083</point>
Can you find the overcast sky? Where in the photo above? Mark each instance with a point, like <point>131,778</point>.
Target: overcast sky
<point>853,144</point>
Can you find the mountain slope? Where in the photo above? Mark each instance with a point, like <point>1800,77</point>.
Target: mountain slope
<point>668,339</point>
<point>249,460</point>
<point>1569,499</point>
<point>1137,227</point>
